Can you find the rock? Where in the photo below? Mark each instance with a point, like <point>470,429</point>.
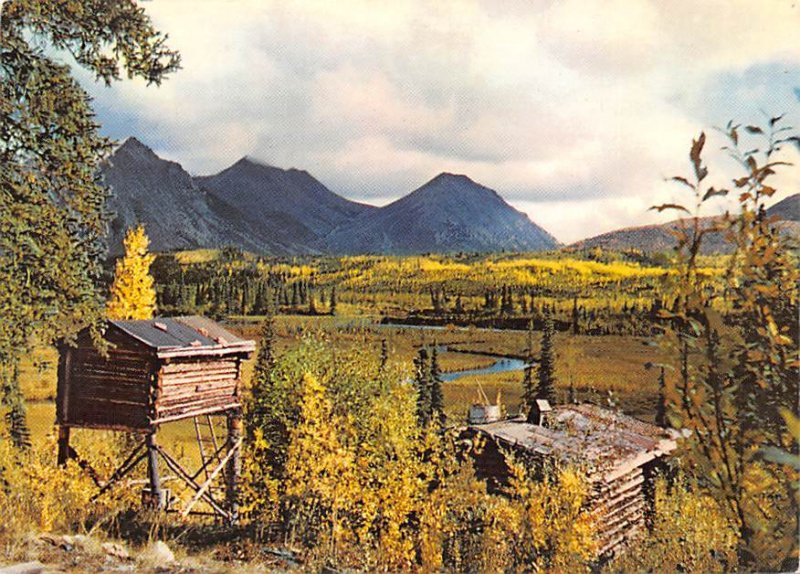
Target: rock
<point>81,541</point>
<point>159,553</point>
<point>116,550</point>
<point>64,542</point>
<point>35,567</point>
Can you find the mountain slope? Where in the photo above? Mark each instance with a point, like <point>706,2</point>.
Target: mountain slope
<point>787,209</point>
<point>176,213</point>
<point>449,213</point>
<point>290,205</point>
<point>659,237</point>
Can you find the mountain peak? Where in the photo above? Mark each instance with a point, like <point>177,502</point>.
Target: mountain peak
<point>133,144</point>
<point>455,177</point>
<point>249,161</point>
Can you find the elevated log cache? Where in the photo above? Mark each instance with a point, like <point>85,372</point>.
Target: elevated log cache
<point>153,372</point>
<point>150,373</point>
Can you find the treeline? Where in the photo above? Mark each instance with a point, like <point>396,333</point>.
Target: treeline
<point>511,307</point>
<point>235,284</point>
<point>235,287</point>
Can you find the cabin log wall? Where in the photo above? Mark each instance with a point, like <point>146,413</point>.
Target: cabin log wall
<point>191,386</point>
<point>105,392</point>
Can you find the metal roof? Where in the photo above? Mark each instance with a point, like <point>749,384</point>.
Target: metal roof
<point>184,336</point>
<point>586,435</point>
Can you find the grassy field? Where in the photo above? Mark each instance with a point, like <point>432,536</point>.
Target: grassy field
<point>606,370</point>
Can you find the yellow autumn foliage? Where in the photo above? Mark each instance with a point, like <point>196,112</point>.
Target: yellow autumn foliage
<point>364,487</point>
<point>132,293</point>
<point>690,533</point>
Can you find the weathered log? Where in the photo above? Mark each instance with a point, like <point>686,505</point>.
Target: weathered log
<point>34,567</point>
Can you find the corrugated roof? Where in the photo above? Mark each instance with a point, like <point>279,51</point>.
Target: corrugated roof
<point>178,336</point>
<point>586,435</point>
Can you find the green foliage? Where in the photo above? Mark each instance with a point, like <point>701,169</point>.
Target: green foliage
<point>422,381</point>
<point>736,354</point>
<point>545,388</point>
<point>437,397</point>
<point>528,386</point>
<point>52,216</point>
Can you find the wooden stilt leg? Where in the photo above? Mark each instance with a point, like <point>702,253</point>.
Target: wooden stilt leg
<point>155,495</point>
<point>63,445</point>
<point>234,465</point>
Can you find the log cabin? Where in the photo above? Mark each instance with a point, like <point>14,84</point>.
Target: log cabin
<point>618,455</point>
<point>153,372</point>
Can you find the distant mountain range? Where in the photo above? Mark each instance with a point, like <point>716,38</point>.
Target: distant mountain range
<point>284,212</point>
<point>449,213</point>
<point>659,237</point>
<point>266,209</point>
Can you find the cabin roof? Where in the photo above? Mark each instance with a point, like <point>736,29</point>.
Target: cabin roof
<point>184,336</point>
<point>586,435</point>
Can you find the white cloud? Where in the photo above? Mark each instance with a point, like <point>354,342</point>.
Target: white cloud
<point>568,108</point>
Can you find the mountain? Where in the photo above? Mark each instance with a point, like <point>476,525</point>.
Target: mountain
<point>450,213</point>
<point>659,237</point>
<point>164,197</point>
<point>787,209</point>
<point>290,205</point>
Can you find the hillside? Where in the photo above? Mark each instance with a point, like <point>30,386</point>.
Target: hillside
<point>289,206</point>
<point>659,237</point>
<point>787,209</point>
<point>176,213</point>
<point>450,213</point>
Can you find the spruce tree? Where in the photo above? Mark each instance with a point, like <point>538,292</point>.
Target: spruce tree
<point>312,306</point>
<point>575,317</point>
<point>132,293</point>
<point>333,300</point>
<point>53,202</point>
<point>661,408</point>
<point>384,361</point>
<point>528,386</point>
<point>547,376</point>
<point>437,397</point>
<point>422,381</point>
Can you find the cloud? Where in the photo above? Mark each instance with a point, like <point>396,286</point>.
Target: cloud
<point>565,107</point>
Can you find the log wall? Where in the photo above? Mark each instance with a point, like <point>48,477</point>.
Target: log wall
<point>197,386</point>
<point>619,508</point>
<point>100,392</point>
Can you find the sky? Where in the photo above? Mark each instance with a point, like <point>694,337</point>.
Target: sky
<point>575,111</point>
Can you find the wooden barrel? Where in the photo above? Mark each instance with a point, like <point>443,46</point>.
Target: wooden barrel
<point>482,414</point>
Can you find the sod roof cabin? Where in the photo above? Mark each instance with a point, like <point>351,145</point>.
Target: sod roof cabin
<point>156,371</point>
<point>618,454</point>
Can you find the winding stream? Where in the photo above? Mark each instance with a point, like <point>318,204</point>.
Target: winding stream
<point>500,366</point>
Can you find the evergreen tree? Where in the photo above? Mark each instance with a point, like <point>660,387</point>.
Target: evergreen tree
<point>547,376</point>
<point>459,308</point>
<point>52,215</point>
<point>333,300</point>
<point>528,386</point>
<point>384,361</point>
<point>437,397</point>
<point>661,408</point>
<point>132,293</point>
<point>575,317</point>
<point>422,373</point>
<point>312,306</point>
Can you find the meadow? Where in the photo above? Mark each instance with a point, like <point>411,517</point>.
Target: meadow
<point>450,292</point>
